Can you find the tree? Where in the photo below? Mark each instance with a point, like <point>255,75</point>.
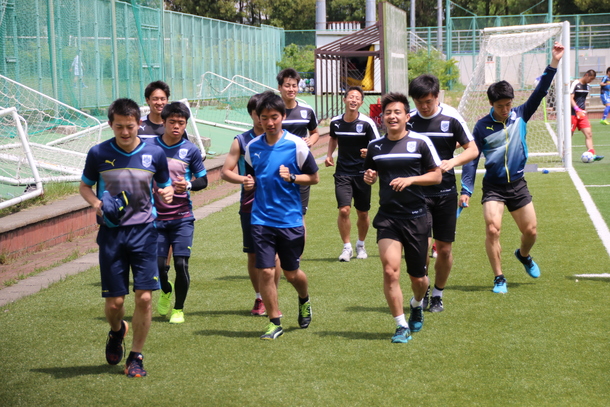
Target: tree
<point>218,9</point>
<point>291,15</point>
<point>432,62</point>
<point>298,57</point>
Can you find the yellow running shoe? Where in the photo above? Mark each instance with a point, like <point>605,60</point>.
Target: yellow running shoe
<point>177,317</point>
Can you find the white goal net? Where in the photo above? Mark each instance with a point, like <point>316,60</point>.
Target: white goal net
<point>519,55</point>
<point>48,143</point>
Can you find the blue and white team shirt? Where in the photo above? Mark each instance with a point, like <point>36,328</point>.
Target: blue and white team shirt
<point>504,144</point>
<point>299,120</point>
<point>412,155</point>
<point>183,160</point>
<point>247,197</point>
<point>114,170</point>
<point>445,128</point>
<point>277,203</point>
<point>149,129</point>
<point>351,137</point>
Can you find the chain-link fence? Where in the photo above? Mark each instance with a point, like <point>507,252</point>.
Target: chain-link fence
<point>87,53</point>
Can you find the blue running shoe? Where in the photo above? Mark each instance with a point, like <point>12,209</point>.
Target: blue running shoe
<point>598,157</point>
<point>416,319</point>
<point>531,268</point>
<point>500,285</point>
<point>402,335</point>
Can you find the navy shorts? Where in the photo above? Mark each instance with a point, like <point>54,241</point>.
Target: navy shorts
<point>605,97</point>
<point>177,233</point>
<point>305,190</point>
<point>124,247</point>
<point>288,243</point>
<point>515,195</point>
<point>412,234</point>
<point>347,187</point>
<point>441,216</point>
<point>246,229</point>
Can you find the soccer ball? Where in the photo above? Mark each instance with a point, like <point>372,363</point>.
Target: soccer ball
<point>587,157</point>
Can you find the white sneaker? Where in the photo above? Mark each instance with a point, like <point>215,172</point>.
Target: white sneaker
<point>346,254</point>
<point>361,252</point>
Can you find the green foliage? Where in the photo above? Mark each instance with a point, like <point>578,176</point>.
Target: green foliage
<point>432,62</point>
<point>298,57</point>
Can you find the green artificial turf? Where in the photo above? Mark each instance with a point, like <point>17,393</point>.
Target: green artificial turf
<point>545,343</point>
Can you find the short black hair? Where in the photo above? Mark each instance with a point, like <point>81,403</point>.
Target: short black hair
<point>607,70</point>
<point>288,73</point>
<point>394,97</point>
<point>124,107</point>
<point>177,109</point>
<point>423,86</point>
<point>271,101</point>
<point>351,88</point>
<point>252,103</point>
<point>153,86</point>
<point>500,90</point>
<point>591,72</point>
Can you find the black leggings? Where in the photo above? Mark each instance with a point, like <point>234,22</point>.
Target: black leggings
<point>183,279</point>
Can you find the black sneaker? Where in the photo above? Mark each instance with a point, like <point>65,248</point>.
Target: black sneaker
<point>114,345</point>
<point>436,304</point>
<point>135,366</point>
<point>305,314</point>
<point>416,319</point>
<point>426,300</point>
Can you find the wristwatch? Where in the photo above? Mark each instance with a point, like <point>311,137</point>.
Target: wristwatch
<point>293,178</point>
<point>188,185</point>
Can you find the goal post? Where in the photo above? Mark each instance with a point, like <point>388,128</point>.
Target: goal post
<point>519,55</point>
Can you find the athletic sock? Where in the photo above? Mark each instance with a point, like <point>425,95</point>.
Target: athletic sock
<point>347,245</point>
<point>416,304</point>
<point>258,296</point>
<point>437,292</point>
<point>606,112</point>
<point>401,321</point>
<point>120,332</point>
<point>592,151</point>
<point>276,321</point>
<point>133,355</point>
<point>303,300</point>
<point>360,243</point>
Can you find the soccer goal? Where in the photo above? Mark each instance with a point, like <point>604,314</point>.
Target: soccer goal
<point>519,55</point>
<point>47,143</point>
<point>222,102</point>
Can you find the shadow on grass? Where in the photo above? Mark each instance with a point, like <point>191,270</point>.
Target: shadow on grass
<point>484,287</point>
<point>241,334</point>
<point>76,371</point>
<point>359,308</point>
<point>229,278</point>
<point>367,336</point>
<point>240,313</point>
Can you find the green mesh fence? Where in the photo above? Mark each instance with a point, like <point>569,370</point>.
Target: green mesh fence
<point>87,53</point>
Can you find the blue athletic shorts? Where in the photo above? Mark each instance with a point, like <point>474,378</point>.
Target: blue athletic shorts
<point>123,248</point>
<point>412,234</point>
<point>441,215</point>
<point>178,234</point>
<point>605,96</point>
<point>246,229</point>
<point>287,243</point>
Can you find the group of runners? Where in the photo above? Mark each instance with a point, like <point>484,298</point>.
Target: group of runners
<point>144,223</point>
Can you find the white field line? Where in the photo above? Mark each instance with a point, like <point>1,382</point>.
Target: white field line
<point>594,214</point>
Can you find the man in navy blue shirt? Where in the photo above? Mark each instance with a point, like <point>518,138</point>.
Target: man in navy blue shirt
<point>500,136</point>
